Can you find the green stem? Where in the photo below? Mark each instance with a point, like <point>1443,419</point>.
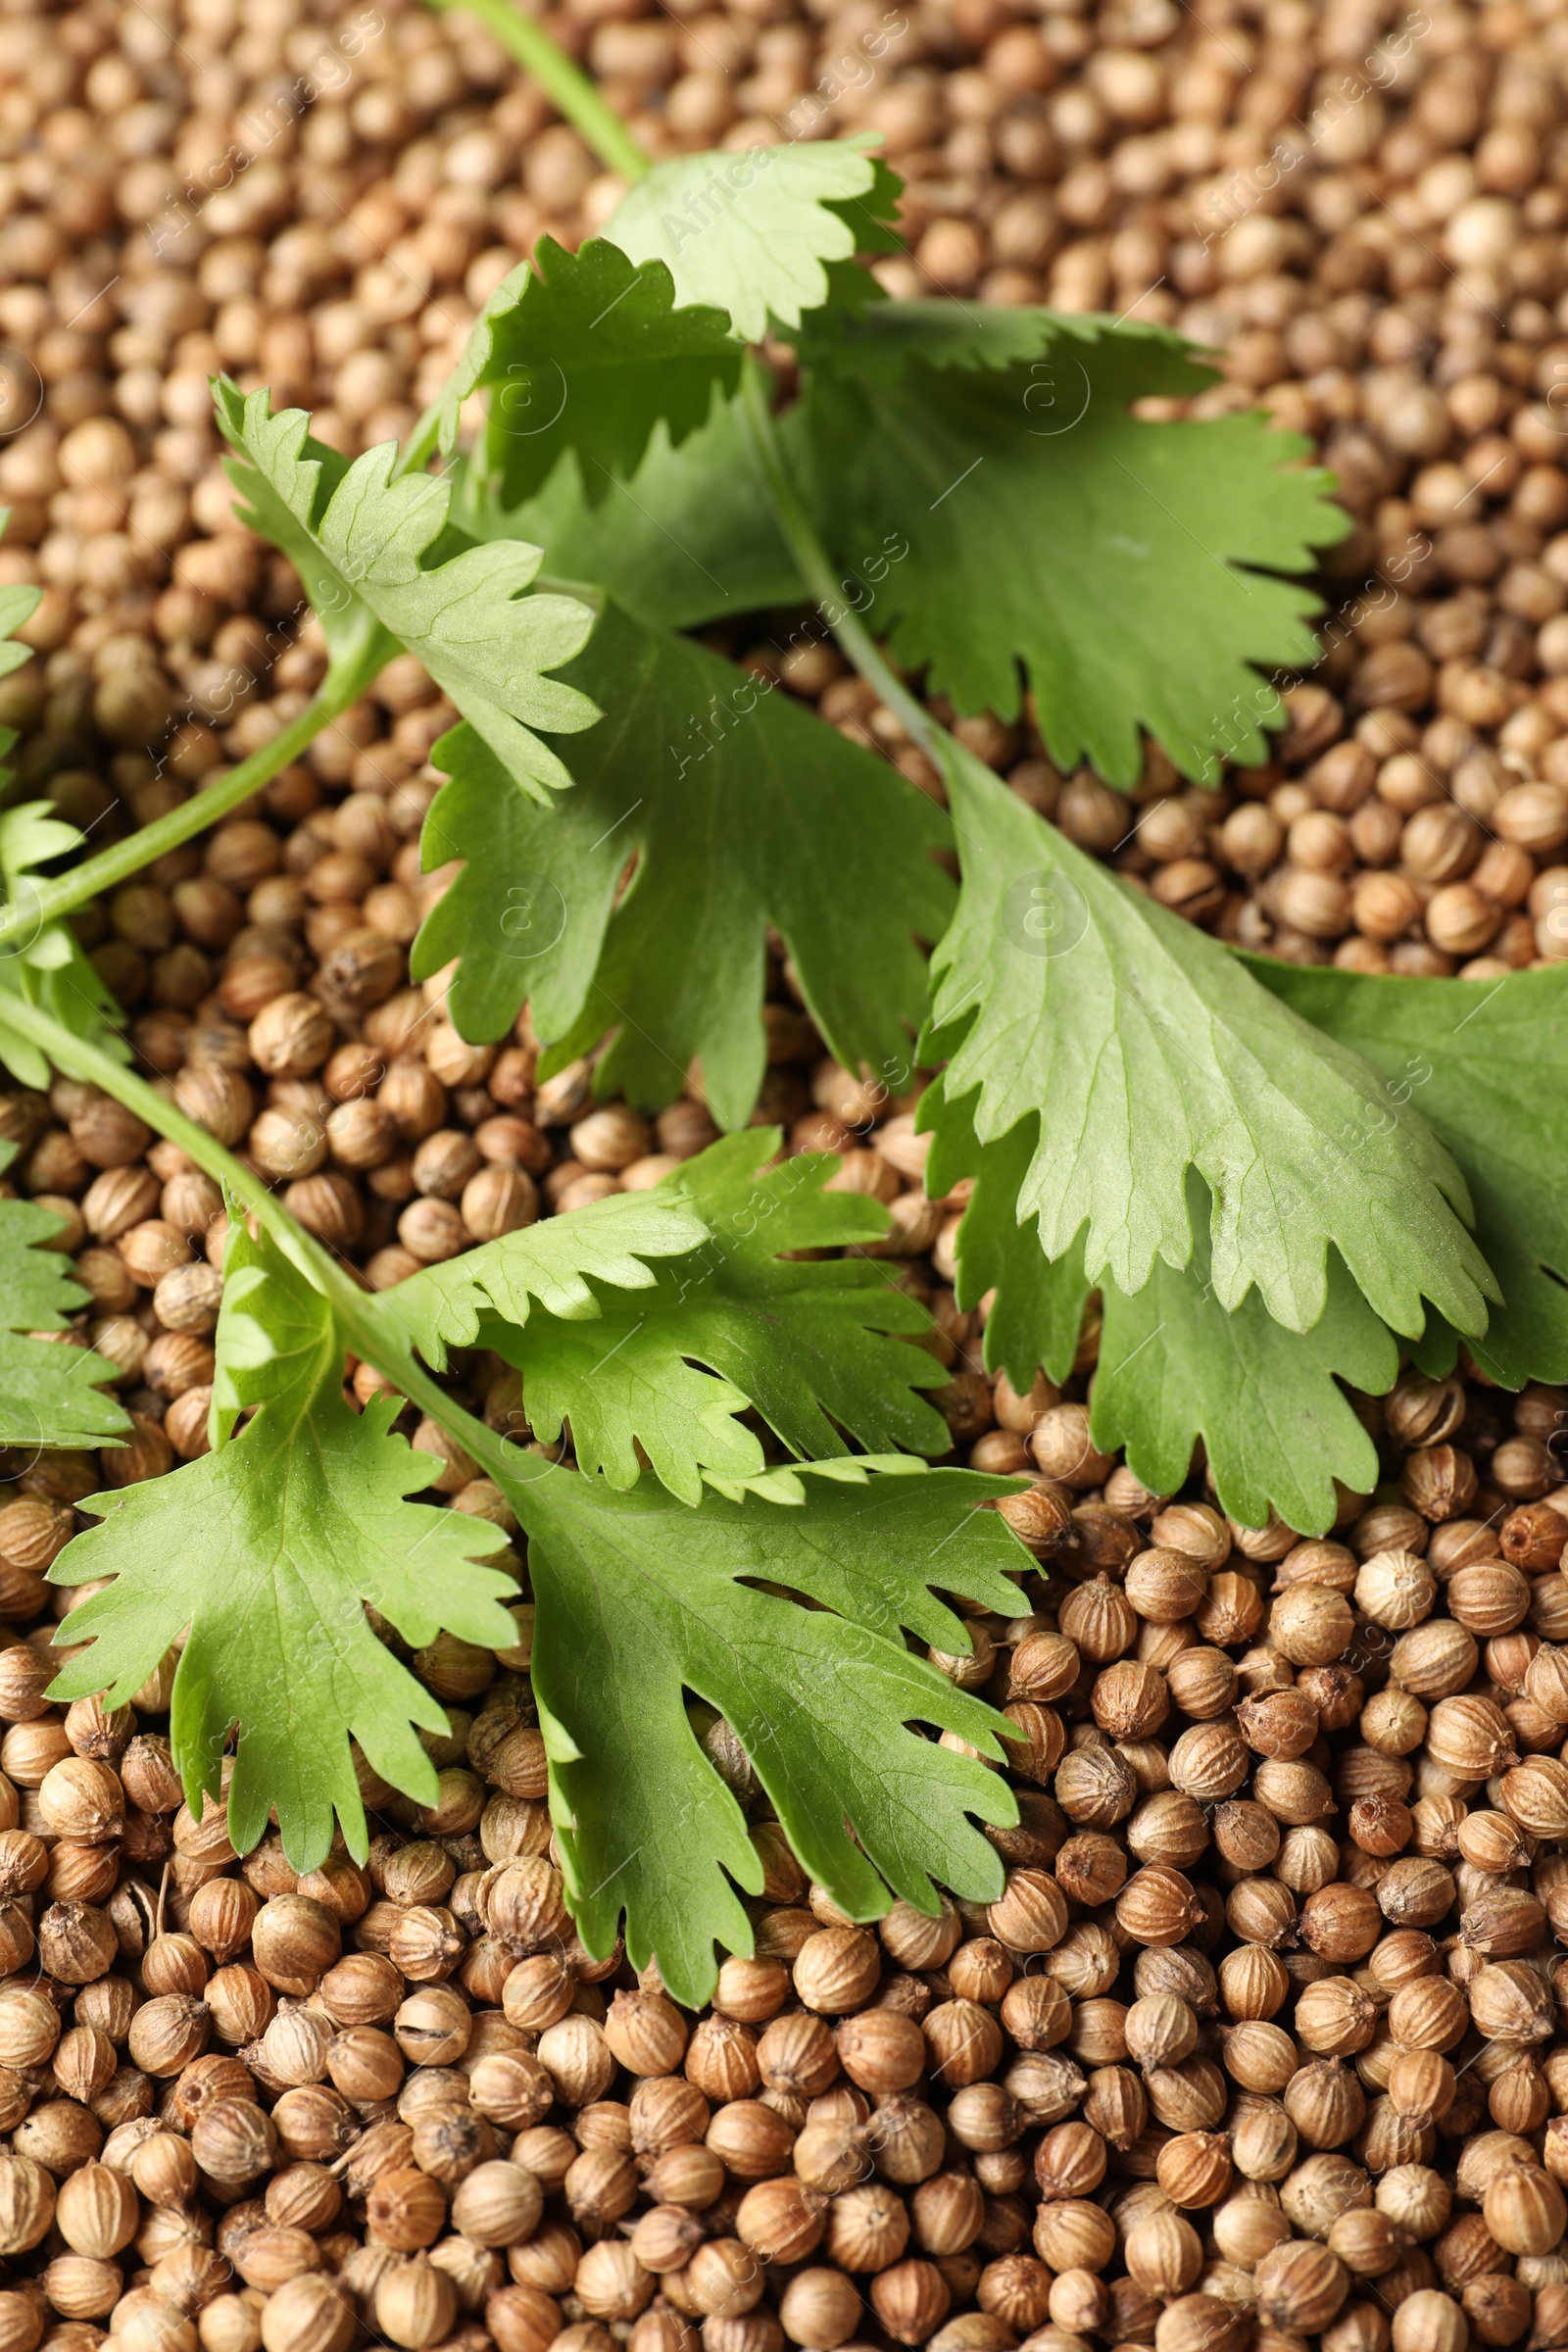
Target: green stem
<point>369,1331</point>
<point>43,902</point>
<point>817,570</point>
<point>564,85</point>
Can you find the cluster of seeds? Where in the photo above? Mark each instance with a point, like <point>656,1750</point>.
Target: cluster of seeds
<point>1363,207</point>
<point>1259,2045</point>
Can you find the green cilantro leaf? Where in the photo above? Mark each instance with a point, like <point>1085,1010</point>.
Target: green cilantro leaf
<point>873,220</point>
<point>785,1481</point>
<point>610,1240</point>
<point>805,1342</point>
<point>366,534</point>
<point>50,1394</point>
<point>1175,1367</point>
<point>269,1549</point>
<point>1151,1050</point>
<point>358,645</point>
<point>1124,565</point>
<point>18,603</point>
<point>689,539</point>
<point>586,352</point>
<point>884,339</point>
<point>741,810</point>
<point>1487,1062</point>
<point>46,965</point>
<point>30,834</point>
<point>1038,1309</point>
<point>641,1602</point>
<point>630,1396</point>
<point>749,230</point>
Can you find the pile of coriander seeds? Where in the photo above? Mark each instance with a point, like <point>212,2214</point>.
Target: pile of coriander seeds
<point>1259,2045</point>
<point>321,201</point>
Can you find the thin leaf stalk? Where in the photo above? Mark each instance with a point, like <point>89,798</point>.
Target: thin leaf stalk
<point>369,1331</point>
<point>564,82</point>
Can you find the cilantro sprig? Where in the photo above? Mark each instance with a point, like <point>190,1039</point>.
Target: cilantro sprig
<point>1174,1367</point>
<point>269,1551</point>
<point>42,959</point>
<point>1485,1061</point>
<point>1270,1176</point>
<point>269,1548</point>
<point>753,232</point>
<point>1140,587</point>
<point>1486,1064</point>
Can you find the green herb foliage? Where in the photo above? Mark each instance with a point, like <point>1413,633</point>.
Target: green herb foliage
<point>587,352</point>
<point>804,1344</point>
<point>46,964</point>
<point>687,540</point>
<point>609,1241</point>
<point>1149,1048</point>
<point>1135,590</point>
<point>269,1549</point>
<point>741,810</point>
<point>18,603</point>
<point>272,1548</point>
<point>1487,1065</point>
<point>636,1594</point>
<point>751,232</point>
<point>362,530</point>
<point>50,1394</point>
<point>1037,1311</point>
<point>1265,1173</point>
<point>1173,1367</point>
<point>43,963</point>
<point>280,501</point>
